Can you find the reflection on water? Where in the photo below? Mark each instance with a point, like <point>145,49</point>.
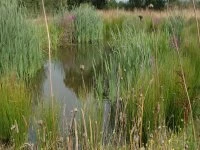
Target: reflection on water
<point>61,92</point>
<point>67,77</point>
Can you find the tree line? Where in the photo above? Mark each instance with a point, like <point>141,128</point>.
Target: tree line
<point>56,5</point>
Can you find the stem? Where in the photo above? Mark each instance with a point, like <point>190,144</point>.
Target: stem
<point>50,75</point>
<point>49,52</point>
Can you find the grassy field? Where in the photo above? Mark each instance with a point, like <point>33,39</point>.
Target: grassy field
<point>145,79</point>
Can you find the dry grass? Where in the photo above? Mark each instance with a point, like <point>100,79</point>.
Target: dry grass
<point>186,13</point>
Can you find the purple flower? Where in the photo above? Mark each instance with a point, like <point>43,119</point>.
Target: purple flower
<point>72,17</point>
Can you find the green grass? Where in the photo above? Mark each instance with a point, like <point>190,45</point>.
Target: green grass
<point>146,63</point>
<point>140,69</point>
<point>15,109</point>
<point>88,24</point>
<point>55,32</point>
<point>47,121</point>
<point>20,50</point>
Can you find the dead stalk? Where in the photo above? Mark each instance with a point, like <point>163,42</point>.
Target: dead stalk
<point>49,51</point>
<point>91,136</point>
<point>85,129</point>
<point>76,133</point>
<point>70,131</point>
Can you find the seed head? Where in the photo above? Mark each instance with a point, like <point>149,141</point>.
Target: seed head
<point>82,67</point>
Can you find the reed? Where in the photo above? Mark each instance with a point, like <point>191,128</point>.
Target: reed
<point>88,24</point>
<point>20,50</point>
<point>149,65</point>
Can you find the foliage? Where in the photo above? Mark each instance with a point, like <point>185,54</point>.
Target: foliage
<point>97,3</point>
<point>157,4</point>
<point>35,6</point>
<point>19,43</point>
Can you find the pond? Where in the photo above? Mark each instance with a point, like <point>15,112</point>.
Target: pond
<point>71,84</point>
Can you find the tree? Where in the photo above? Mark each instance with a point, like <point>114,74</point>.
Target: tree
<point>158,4</point>
<point>50,5</point>
<point>99,3</point>
<point>136,3</point>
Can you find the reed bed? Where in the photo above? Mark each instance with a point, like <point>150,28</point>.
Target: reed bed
<point>20,45</point>
<point>143,74</point>
<point>146,83</point>
<point>88,24</point>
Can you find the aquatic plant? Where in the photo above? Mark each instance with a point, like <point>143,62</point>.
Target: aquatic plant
<point>88,24</point>
<point>143,72</point>
<point>20,50</point>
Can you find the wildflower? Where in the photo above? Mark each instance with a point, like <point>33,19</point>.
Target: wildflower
<point>71,17</point>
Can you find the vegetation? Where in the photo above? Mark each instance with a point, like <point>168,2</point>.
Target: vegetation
<point>15,108</point>
<point>140,84</point>
<point>20,51</point>
<point>88,24</point>
<point>35,6</point>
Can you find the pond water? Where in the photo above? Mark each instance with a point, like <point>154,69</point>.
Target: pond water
<point>68,79</point>
<point>65,95</point>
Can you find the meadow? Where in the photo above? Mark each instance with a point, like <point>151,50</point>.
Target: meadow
<point>135,73</point>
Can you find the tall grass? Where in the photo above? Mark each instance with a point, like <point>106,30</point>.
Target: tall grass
<point>15,108</point>
<point>88,24</point>
<point>143,70</point>
<point>19,42</point>
<point>55,34</point>
<point>46,125</point>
